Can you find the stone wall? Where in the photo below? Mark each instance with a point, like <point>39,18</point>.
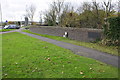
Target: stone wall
<point>81,34</point>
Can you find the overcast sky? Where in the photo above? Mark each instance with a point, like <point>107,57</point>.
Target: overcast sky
<point>14,10</point>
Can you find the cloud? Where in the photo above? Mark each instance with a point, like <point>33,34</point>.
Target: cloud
<point>15,9</point>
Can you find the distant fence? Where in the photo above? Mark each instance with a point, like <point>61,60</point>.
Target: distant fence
<point>81,34</point>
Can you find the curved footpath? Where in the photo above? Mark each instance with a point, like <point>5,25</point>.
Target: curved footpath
<point>8,31</point>
<point>80,50</point>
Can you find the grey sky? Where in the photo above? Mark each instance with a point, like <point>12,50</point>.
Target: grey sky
<point>13,10</point>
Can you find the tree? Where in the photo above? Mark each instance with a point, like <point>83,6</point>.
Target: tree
<point>86,6</point>
<point>86,17</point>
<point>57,7</point>
<point>30,11</point>
<point>96,14</point>
<point>118,5</point>
<point>108,8</point>
<point>79,10</point>
<point>50,17</point>
<point>40,16</point>
<point>68,16</point>
<point>63,16</point>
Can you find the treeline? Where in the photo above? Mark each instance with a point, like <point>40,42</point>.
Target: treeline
<point>87,15</point>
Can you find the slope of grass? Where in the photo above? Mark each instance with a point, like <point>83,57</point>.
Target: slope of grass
<point>27,57</point>
<point>108,49</point>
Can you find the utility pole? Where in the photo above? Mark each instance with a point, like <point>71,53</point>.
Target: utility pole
<point>1,13</point>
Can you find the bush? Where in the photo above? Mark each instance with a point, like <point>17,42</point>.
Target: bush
<point>114,28</point>
<point>112,31</point>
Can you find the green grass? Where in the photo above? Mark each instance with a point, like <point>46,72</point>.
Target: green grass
<point>108,49</point>
<point>4,30</point>
<point>27,57</point>
<point>0,56</point>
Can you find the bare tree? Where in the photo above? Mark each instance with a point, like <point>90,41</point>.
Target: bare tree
<point>50,17</point>
<point>108,7</point>
<point>54,13</point>
<point>40,16</point>
<point>118,8</point>
<point>64,15</point>
<point>96,7</point>
<point>86,6</point>
<point>58,6</point>
<point>96,13</point>
<point>79,10</point>
<point>30,11</point>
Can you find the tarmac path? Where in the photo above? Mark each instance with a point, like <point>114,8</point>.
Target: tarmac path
<point>79,50</point>
<point>82,51</point>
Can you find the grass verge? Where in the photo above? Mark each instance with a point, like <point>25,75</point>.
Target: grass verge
<point>4,30</point>
<point>108,49</point>
<point>27,57</point>
<point>0,56</point>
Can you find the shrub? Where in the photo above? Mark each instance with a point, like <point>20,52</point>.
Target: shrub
<point>112,31</point>
<point>114,28</point>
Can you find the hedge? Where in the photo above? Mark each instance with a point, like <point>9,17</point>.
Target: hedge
<point>114,28</point>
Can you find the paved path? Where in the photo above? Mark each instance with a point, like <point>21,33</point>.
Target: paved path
<point>79,50</point>
<point>82,51</point>
<point>17,30</point>
<point>8,31</point>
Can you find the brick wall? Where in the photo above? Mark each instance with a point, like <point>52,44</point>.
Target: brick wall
<point>81,34</point>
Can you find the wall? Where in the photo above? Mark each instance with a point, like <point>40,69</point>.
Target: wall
<point>81,34</point>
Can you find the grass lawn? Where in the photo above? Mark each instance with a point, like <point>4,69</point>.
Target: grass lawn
<point>108,49</point>
<point>4,30</point>
<point>0,56</point>
<point>27,57</point>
